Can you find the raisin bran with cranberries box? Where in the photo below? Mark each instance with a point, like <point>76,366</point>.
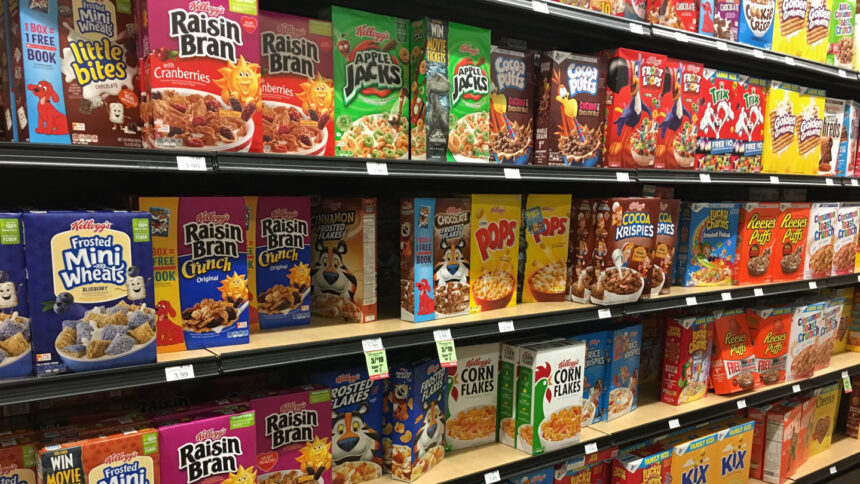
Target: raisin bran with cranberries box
<point>16,355</point>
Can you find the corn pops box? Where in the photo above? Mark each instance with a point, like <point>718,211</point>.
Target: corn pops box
<point>544,239</point>
<point>470,409</point>
<point>818,18</point>
<point>18,459</point>
<point>469,72</point>
<point>789,30</point>
<point>750,99</point>
<point>494,251</point>
<point>840,48</point>
<point>16,356</point>
<point>809,130</point>
<point>779,154</point>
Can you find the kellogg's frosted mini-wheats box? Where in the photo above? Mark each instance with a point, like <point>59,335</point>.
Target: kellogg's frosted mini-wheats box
<point>16,356</point>
<point>91,292</point>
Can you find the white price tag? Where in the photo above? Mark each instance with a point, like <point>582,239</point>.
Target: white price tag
<point>828,181</point>
<point>742,404</point>
<point>759,292</point>
<point>722,46</point>
<point>674,424</point>
<point>590,448</point>
<point>832,470</point>
<point>176,373</point>
<point>442,334</point>
<point>540,6</point>
<point>512,173</point>
<point>705,177</point>
<point>506,326</point>
<point>190,163</point>
<point>858,278</point>
<point>637,29</point>
<point>691,301</point>
<point>842,73</point>
<point>789,60</point>
<point>681,37</point>
<point>795,388</point>
<point>726,296</point>
<point>774,180</point>
<point>372,344</point>
<point>844,374</point>
<point>604,313</point>
<point>622,176</point>
<point>758,54</point>
<point>377,168</point>
<point>813,285</point>
<point>491,477</point>
<point>855,183</point>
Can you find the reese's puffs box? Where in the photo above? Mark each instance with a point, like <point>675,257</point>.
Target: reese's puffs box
<point>789,242</point>
<point>494,251</point>
<point>127,456</point>
<point>755,243</point>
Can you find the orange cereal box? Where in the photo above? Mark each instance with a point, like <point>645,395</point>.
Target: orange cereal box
<point>18,460</point>
<point>756,230</point>
<point>769,328</point>
<point>494,251</point>
<point>544,239</point>
<point>733,361</point>
<point>686,364</point>
<point>789,242</point>
<point>781,441</point>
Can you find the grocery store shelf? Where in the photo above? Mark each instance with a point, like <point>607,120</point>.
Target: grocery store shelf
<point>749,179</point>
<point>34,155</point>
<point>843,455</point>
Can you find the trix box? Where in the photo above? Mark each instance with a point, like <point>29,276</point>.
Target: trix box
<point>293,432</point>
<point>16,357</point>
<point>716,136</point>
<point>91,293</point>
<point>750,101</point>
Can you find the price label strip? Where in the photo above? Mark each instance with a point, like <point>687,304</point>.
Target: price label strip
<point>445,347</point>
<point>506,326</point>
<point>177,373</point>
<point>492,477</point>
<point>375,357</point>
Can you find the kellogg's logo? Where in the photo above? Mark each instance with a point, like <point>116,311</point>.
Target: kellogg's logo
<point>510,73</point>
<point>347,378</point>
<point>370,32</point>
<point>582,79</point>
<point>90,224</point>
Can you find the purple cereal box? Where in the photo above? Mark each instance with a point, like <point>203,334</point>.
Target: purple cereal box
<point>16,357</point>
<point>294,435</point>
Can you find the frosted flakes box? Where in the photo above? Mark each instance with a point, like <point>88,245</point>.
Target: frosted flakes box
<point>779,154</point>
<point>831,133</point>
<point>820,240</point>
<point>622,370</point>
<point>279,256</point>
<point>470,409</point>
<point>716,137</point>
<point>678,129</point>
<point>494,251</point>
<point>512,106</point>
<point>660,278</point>
<point>127,456</point>
<point>818,18</point>
<point>770,329</point>
<point>595,388</point>
<point>18,459</point>
<point>719,18</point>
<point>755,23</point>
<point>343,258</point>
<point>16,355</point>
<point>789,30</point>
<point>789,250</point>
<point>848,139</point>
<point>755,244</point>
<point>296,85</point>
<point>733,358</point>
<point>90,290</point>
<point>840,41</point>
<point>544,239</point>
<point>451,253</point>
<point>293,435</point>
<point>845,240</point>
<point>749,127</point>
<point>371,69</point>
<point>707,256</point>
<point>201,80</point>
<point>469,72</point>
<point>810,126</point>
<point>687,360</point>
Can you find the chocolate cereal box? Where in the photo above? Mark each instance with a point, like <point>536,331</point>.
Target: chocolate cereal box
<point>595,389</point>
<point>622,370</point>
<point>789,251</point>
<point>293,435</point>
<point>494,251</point>
<point>678,129</point>
<point>429,104</point>
<point>845,240</point>
<point>469,73</point>
<point>18,459</point>
<point>818,18</point>
<point>686,364</point>
<point>719,18</point>
<point>90,290</point>
<point>201,80</point>
<point>831,133</point>
<point>840,48</point>
<point>512,106</point>
<point>780,142</point>
<point>707,257</point>
<point>470,409</point>
<point>755,244</point>
<point>820,239</point>
<point>716,137</point>
<point>676,14</point>
<point>343,258</point>
<point>755,23</point>
<point>789,30</point>
<point>16,356</point>
<point>660,278</point>
<point>371,100</point>
<point>580,269</point>
<point>546,221</point>
<point>451,253</point>
<point>296,85</point>
<point>810,126</point>
<point>750,100</point>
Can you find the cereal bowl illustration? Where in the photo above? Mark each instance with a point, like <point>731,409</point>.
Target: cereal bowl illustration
<point>15,347</point>
<point>758,15</point>
<point>212,315</point>
<point>494,289</point>
<point>620,400</point>
<point>561,429</point>
<point>469,424</point>
<point>506,431</point>
<point>290,129</point>
<point>374,135</point>
<point>619,287</point>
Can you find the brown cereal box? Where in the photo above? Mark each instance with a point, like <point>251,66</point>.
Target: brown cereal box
<point>451,252</point>
<point>789,251</point>
<point>770,331</point>
<point>820,239</point>
<point>580,270</point>
<point>660,279</point>
<point>512,106</point>
<point>343,258</point>
<point>756,229</point>
<point>845,240</point>
<point>544,239</point>
<point>781,441</point>
<point>733,361</point>
<point>494,251</point>
<point>834,113</point>
<point>687,358</point>
<point>678,14</point>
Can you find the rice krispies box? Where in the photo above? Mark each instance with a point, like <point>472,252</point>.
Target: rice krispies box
<point>544,239</point>
<point>343,258</point>
<point>770,332</point>
<point>622,370</point>
<point>707,256</point>
<point>755,243</point>
<point>678,129</point>
<point>16,357</point>
<point>716,137</point>
<point>831,133</point>
<point>469,94</point>
<point>820,240</point>
<point>750,100</point>
<point>840,50</point>
<point>595,388</point>
<point>687,358</point>
<point>512,108</point>
<point>293,432</point>
<point>296,85</point>
<point>719,18</point>
<point>494,251</point>
<point>18,459</point>
<point>755,22</point>
<point>201,80</point>
<point>470,409</point>
<point>90,290</point>
<point>845,239</point>
<point>733,358</point>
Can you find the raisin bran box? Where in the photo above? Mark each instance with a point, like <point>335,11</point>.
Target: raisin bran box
<point>356,423</point>
<point>716,137</point>
<point>16,356</point>
<point>543,241</point>
<point>494,251</point>
<point>470,409</point>
<point>719,18</point>
<point>686,364</point>
<point>678,129</point>
<point>126,456</point>
<point>679,14</point>
<point>296,85</point>
<point>750,100</point>
<point>790,241</point>
<point>415,418</point>
<point>660,278</point>
<point>201,79</point>
<point>707,256</point>
<point>416,260</point>
<point>343,258</point>
<point>371,69</point>
<point>831,133</point>
<point>769,328</point>
<point>90,290</point>
<point>429,108</point>
<point>18,459</point>
<point>451,253</point>
<point>595,388</point>
<point>570,110</point>
<point>512,106</point>
<point>733,358</point>
<point>840,41</point>
<point>294,430</point>
<point>469,95</point>
<point>755,244</point>
<point>622,370</point>
<point>279,256</point>
<point>755,23</point>
<point>210,449</point>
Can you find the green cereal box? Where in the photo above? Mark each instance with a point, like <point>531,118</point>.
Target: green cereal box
<point>430,104</point>
<point>840,52</point>
<point>469,93</point>
<point>371,101</point>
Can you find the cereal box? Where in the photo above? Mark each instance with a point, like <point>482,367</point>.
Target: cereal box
<point>90,291</point>
<point>820,240</point>
<point>635,9</point>
<point>749,128</point>
<point>512,109</point>
<point>676,14</point>
<point>780,143</point>
<point>755,25</point>
<point>539,476</point>
<point>756,230</point>
<point>809,129</point>
<point>789,31</point>
<point>622,370</point>
<point>201,75</point>
<point>818,18</point>
<point>770,332</point>
<point>852,423</point>
<point>470,410</point>
<point>854,325</point>
<point>845,240</point>
<point>546,221</point>
<point>370,68</point>
<point>707,255</point>
<point>678,129</point>
<point>758,415</point>
<point>633,110</point>
<point>451,240</point>
<point>469,72</point>
<point>828,326</point>
<point>494,251</point>
<point>296,85</point>
<point>570,112</point>
<point>824,417</point>
<point>429,105</point>
<point>293,434</point>
<point>356,422</point>
<point>549,396</point>
<point>8,123</point>
<point>18,460</point>
<point>789,242</point>
<point>693,457</point>
<point>651,357</point>
<point>16,356</point>
<point>807,410</point>
<point>800,361</point>
<point>848,142</point>
<point>834,113</point>
<point>279,259</point>
<point>687,358</point>
<point>127,456</point>
<point>733,361</point>
<point>642,466</point>
<point>415,419</point>
<point>719,18</point>
<point>660,278</point>
<point>716,137</point>
<point>847,294</point>
<point>343,258</point>
<point>733,449</point>
<point>840,49</point>
<point>630,249</point>
<point>782,432</point>
<point>595,389</point>
<point>416,259</point>
<point>580,269</point>
<point>596,473</point>
<point>213,448</point>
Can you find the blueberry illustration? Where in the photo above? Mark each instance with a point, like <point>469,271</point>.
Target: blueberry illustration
<point>66,298</point>
<point>61,307</point>
<point>4,276</point>
<point>133,271</point>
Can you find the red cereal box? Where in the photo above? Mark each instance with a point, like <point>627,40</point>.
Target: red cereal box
<point>297,85</point>
<point>758,415</point>
<point>679,14</point>
<point>18,460</point>
<point>789,242</point>
<point>807,412</point>
<point>677,131</point>
<point>769,328</point>
<point>642,466</point>
<point>716,140</point>
<point>756,230</point>
<point>781,438</point>
<point>687,358</point>
<point>733,361</point>
<point>749,126</point>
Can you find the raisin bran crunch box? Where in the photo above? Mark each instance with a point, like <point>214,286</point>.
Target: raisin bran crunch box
<point>495,250</point>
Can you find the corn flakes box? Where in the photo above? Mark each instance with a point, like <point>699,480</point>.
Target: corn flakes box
<point>469,72</point>
<point>543,245</point>
<point>18,455</point>
<point>451,252</point>
<point>343,258</point>
<point>789,30</point>
<point>687,360</point>
<point>16,356</point>
<point>622,370</point>
<point>470,409</point>
<point>716,138</point>
<point>719,18</point>
<point>416,411</point>
<point>90,290</point>
<point>512,106</point>
<point>770,332</point>
<point>845,240</point>
<point>733,358</point>
<point>755,23</point>
<point>846,293</point>
<point>707,257</point>
<point>840,40</point>
<point>127,456</point>
<point>296,86</point>
<point>749,128</point>
<point>779,154</point>
<point>809,130</point>
<point>429,103</point>
<point>831,133</point>
<point>678,129</point>
<point>356,424</point>
<point>789,251</point>
<point>824,417</point>
<point>595,388</point>
<point>494,251</point>
<point>549,396</point>
<point>756,230</point>
<point>803,337</point>
<point>848,143</point>
<point>293,434</point>
<point>818,18</point>
<point>820,240</point>
<point>371,100</point>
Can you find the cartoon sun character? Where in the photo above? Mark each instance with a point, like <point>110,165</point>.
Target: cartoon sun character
<point>315,458</point>
<point>234,289</point>
<point>300,276</point>
<point>242,476</point>
<point>240,81</point>
<point>317,94</point>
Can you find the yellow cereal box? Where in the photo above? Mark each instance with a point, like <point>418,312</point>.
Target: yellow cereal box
<point>780,140</point>
<point>847,293</point>
<point>817,30</point>
<point>809,126</point>
<point>544,239</point>
<point>824,418</point>
<point>495,250</point>
<point>789,27</point>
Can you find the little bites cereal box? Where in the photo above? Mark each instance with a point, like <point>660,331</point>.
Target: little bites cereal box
<point>297,86</point>
<point>733,362</point>
<point>127,456</point>
<point>789,250</point>
<point>789,31</point>
<point>820,239</point>
<point>678,129</point>
<point>495,249</point>
<point>201,75</point>
<point>750,100</point>
<point>293,435</point>
<point>716,138</point>
<point>343,258</point>
<point>18,460</point>
<point>512,108</point>
<point>769,329</point>
<point>470,409</point>
<point>687,360</point>
<point>546,220</point>
<point>780,141</point>
<point>840,50</point>
<point>756,231</point>
<point>845,240</point>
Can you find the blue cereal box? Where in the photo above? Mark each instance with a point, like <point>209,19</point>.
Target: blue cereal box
<point>594,390</point>
<point>16,356</point>
<point>416,259</point>
<point>540,476</point>
<point>706,253</point>
<point>622,370</point>
<point>90,290</point>
<point>755,26</point>
<point>356,405</point>
<point>414,418</point>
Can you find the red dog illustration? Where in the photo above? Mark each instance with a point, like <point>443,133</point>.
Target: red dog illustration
<point>169,333</point>
<point>51,121</point>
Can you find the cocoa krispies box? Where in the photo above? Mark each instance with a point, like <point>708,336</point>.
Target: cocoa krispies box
<point>90,290</point>
<point>201,75</point>
<point>16,356</point>
<point>78,60</point>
